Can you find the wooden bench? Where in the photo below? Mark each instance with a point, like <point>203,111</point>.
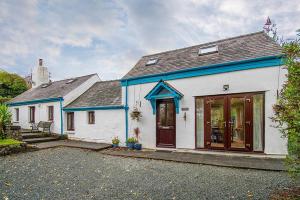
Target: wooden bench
<point>44,125</point>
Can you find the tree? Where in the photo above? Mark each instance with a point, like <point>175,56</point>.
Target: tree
<point>287,109</point>
<point>5,119</point>
<point>11,85</point>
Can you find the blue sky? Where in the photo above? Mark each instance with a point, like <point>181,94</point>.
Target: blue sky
<point>78,37</point>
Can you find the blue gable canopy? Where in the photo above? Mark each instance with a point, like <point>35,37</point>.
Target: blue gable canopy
<point>163,90</point>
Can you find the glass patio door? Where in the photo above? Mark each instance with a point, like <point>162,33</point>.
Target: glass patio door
<point>239,122</point>
<point>228,122</point>
<point>215,122</point>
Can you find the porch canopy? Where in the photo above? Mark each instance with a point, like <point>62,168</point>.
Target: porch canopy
<point>163,90</point>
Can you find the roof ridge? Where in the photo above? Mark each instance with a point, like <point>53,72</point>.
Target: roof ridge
<point>74,78</point>
<point>108,81</point>
<point>206,43</point>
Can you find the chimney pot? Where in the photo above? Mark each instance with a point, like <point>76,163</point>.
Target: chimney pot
<point>40,62</point>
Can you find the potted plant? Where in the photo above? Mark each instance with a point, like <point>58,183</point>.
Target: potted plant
<point>137,145</point>
<point>115,142</point>
<point>130,142</point>
<point>136,114</point>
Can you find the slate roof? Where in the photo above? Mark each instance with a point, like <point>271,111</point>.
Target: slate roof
<point>239,48</point>
<point>54,90</point>
<point>103,93</point>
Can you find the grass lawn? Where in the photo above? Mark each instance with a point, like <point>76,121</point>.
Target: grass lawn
<point>7,142</point>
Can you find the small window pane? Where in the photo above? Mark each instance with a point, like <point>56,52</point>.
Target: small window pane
<point>91,117</point>
<point>17,114</point>
<point>200,122</point>
<point>258,122</point>
<point>50,113</point>
<point>70,121</point>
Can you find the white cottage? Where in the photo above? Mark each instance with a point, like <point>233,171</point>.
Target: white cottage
<point>45,101</point>
<point>212,96</point>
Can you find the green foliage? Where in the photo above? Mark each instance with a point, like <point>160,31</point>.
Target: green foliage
<point>132,140</point>
<point>287,109</point>
<point>9,142</point>
<point>5,119</point>
<point>11,85</point>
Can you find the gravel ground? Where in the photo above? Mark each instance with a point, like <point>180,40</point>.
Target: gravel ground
<point>67,173</point>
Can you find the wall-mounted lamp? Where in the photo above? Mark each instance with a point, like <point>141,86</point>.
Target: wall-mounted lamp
<point>225,87</point>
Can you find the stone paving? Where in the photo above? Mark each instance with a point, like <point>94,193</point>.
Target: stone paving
<point>73,143</point>
<point>247,162</point>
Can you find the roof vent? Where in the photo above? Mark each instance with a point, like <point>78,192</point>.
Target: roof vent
<point>70,81</point>
<point>152,61</point>
<point>208,50</point>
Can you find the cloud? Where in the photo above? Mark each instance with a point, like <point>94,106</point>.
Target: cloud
<point>108,37</point>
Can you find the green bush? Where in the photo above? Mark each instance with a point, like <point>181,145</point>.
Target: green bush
<point>5,119</point>
<point>287,109</point>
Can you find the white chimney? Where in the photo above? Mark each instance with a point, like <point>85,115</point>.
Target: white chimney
<point>40,75</point>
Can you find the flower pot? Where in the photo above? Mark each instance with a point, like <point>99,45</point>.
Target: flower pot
<point>115,145</point>
<point>137,146</point>
<point>130,145</point>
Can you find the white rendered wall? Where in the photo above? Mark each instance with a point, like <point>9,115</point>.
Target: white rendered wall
<point>41,114</point>
<point>108,124</point>
<point>254,80</point>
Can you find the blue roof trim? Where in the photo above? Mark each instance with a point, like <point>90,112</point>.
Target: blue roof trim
<point>267,61</point>
<point>36,101</point>
<point>153,95</point>
<point>94,108</point>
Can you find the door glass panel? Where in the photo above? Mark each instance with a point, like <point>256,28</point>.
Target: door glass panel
<point>200,122</point>
<point>237,122</point>
<point>258,121</point>
<point>162,114</point>
<point>217,122</point>
<point>170,114</point>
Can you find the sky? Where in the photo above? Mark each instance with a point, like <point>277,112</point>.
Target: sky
<point>79,37</point>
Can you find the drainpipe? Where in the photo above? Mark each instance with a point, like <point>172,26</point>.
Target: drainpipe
<point>126,111</point>
<point>61,117</point>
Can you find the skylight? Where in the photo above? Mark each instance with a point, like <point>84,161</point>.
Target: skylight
<point>45,85</point>
<point>70,81</point>
<point>152,61</point>
<point>208,50</point>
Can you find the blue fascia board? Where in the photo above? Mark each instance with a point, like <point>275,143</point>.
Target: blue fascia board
<point>155,91</point>
<point>36,101</point>
<point>93,108</point>
<point>267,61</point>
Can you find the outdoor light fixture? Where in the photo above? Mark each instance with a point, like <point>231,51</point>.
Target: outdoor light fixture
<point>225,87</point>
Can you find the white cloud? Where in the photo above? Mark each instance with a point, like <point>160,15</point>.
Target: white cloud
<point>108,37</point>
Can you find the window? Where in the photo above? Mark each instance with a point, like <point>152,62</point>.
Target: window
<point>70,81</point>
<point>50,113</point>
<point>31,114</point>
<point>91,116</point>
<point>199,122</point>
<point>152,61</point>
<point>17,114</point>
<point>208,50</point>
<point>70,121</point>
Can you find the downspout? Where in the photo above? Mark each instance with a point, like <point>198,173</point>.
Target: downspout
<point>126,111</point>
<point>61,117</point>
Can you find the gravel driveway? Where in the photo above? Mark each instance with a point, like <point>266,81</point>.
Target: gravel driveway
<point>67,173</point>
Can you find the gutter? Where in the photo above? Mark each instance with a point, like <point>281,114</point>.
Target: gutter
<point>36,101</point>
<point>61,117</point>
<point>93,108</point>
<point>126,112</point>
